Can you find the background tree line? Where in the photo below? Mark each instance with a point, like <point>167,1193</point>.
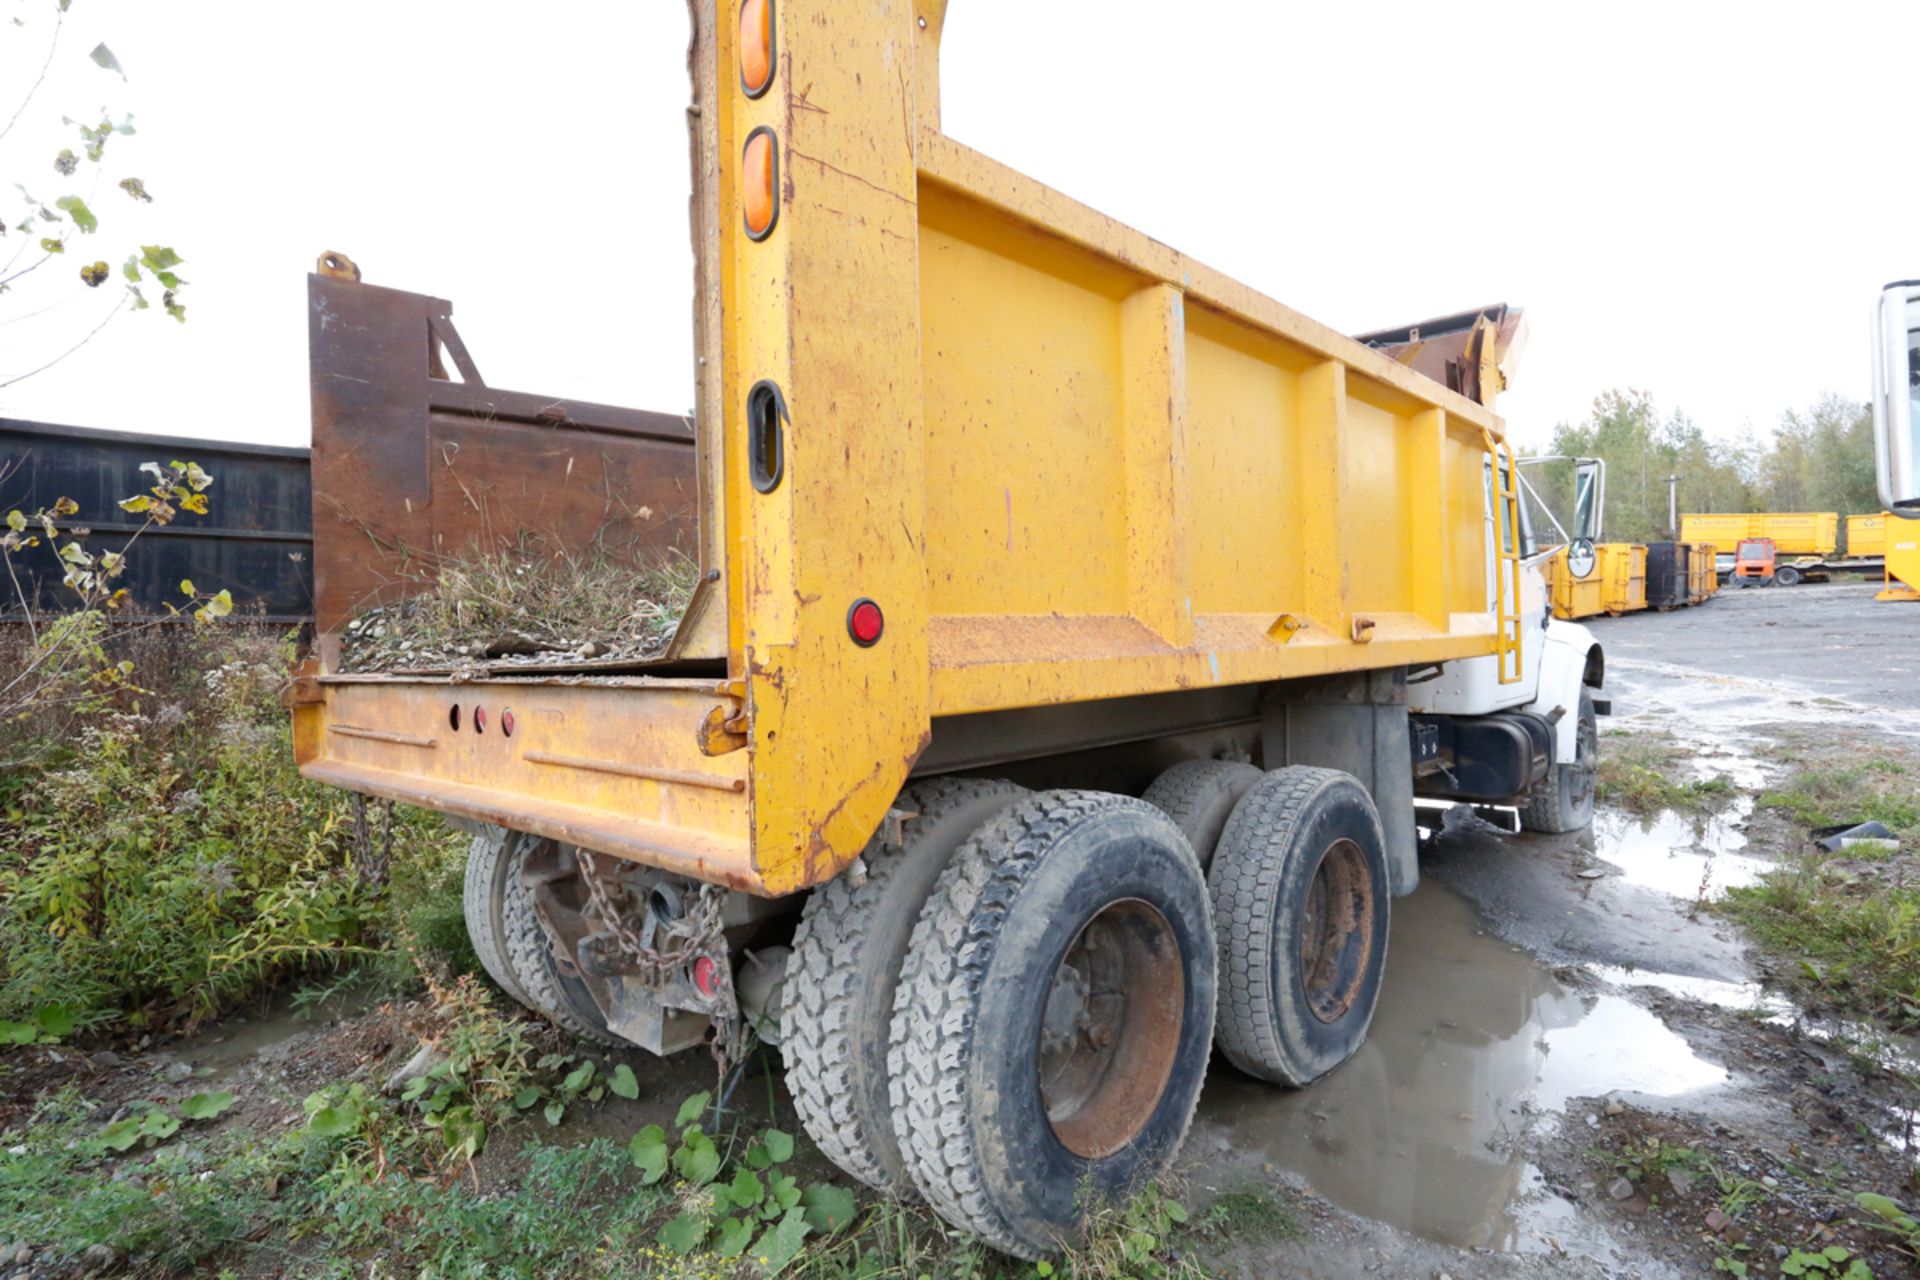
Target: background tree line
<point>1817,459</point>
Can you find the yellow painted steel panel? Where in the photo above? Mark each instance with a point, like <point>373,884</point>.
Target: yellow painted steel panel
<point>1867,535</point>
<point>1794,533</point>
<point>1238,467</point>
<point>1024,432</point>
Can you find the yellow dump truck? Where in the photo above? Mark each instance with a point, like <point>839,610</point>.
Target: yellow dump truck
<point>1075,629</point>
<point>1896,433</point>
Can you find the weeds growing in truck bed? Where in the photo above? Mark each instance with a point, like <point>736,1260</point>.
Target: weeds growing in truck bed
<point>526,602</point>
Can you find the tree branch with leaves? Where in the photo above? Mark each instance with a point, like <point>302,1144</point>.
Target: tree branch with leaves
<point>41,236</point>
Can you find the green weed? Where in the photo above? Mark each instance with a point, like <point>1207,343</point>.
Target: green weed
<point>1876,790</point>
<point>1644,775</point>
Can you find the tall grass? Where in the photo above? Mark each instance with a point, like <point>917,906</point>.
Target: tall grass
<point>161,859</point>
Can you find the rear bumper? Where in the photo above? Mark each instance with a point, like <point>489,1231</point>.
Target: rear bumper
<point>615,767</point>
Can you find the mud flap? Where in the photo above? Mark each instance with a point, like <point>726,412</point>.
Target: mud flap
<point>1358,724</point>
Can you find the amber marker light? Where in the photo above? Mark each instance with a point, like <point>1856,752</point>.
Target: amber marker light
<point>756,46</point>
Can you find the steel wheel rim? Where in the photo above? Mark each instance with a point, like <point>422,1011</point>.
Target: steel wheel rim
<point>1110,1029</point>
<point>1336,931</point>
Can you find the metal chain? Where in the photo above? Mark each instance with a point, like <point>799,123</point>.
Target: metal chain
<point>696,930</point>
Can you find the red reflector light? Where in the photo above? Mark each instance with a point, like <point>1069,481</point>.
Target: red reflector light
<point>506,722</point>
<point>865,622</point>
<point>479,719</point>
<point>706,975</point>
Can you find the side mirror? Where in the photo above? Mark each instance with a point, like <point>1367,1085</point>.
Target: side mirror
<point>1589,499</point>
<point>1896,398</point>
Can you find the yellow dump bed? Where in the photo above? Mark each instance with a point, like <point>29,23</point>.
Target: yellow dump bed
<point>1794,533</point>
<point>1068,464</point>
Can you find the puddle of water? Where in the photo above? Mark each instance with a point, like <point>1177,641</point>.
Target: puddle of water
<point>1472,1040</point>
<point>1685,857</point>
<point>223,1048</point>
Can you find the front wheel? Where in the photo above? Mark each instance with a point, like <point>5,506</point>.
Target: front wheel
<point>1051,1029</point>
<point>1564,799</point>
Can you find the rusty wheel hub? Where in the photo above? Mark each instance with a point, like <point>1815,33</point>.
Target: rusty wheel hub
<point>1336,938</point>
<point>1111,1028</point>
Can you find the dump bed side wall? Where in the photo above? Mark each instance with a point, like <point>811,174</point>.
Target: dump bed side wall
<point>1067,463</point>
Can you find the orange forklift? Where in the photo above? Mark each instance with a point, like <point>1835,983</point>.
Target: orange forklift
<point>1753,564</point>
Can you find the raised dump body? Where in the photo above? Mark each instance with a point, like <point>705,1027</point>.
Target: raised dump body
<point>1067,463</point>
<point>1794,533</point>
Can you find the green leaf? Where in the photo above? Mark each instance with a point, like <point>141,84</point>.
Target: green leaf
<point>160,1124</point>
<point>684,1233</point>
<point>18,1032</point>
<point>136,504</point>
<point>623,1083</point>
<point>649,1152</point>
<point>735,1235</point>
<point>828,1207</point>
<point>692,1109</point>
<point>1834,1253</point>
<point>554,1110</point>
<point>104,59</point>
<point>137,188</point>
<point>158,257</point>
<point>76,208</point>
<point>745,1189</point>
<point>780,1245</point>
<point>779,1145</point>
<point>525,1098</point>
<point>784,1192</point>
<point>465,1133</point>
<point>186,587</point>
<point>1882,1207</point>
<point>333,1122</point>
<point>578,1077</point>
<point>205,1106</point>
<point>697,1161</point>
<point>51,245</point>
<point>121,1134</point>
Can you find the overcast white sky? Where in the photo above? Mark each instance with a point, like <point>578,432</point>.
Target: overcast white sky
<point>1698,199</point>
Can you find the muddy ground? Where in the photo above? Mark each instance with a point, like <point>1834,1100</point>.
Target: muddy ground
<point>1578,1068</point>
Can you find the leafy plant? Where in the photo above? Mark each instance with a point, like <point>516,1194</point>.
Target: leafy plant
<point>1893,1220</point>
<point>1826,1262</point>
<point>752,1209</point>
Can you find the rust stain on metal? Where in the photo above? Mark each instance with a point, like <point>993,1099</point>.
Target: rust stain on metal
<point>382,735</point>
<point>679,776</point>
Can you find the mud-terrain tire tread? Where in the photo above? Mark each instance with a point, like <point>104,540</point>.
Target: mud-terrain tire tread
<point>935,1007</point>
<point>1199,795</point>
<point>511,936</point>
<point>838,1083</point>
<point>1245,884</point>
<point>1548,810</point>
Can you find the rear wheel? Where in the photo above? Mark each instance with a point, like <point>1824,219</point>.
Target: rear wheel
<point>1050,1033</point>
<point>1199,796</point>
<point>1786,576</point>
<point>1564,799</point>
<point>511,942</point>
<point>847,955</point>
<point>1300,894</point>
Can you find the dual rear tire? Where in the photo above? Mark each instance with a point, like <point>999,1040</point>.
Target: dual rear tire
<point>1054,1003</point>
